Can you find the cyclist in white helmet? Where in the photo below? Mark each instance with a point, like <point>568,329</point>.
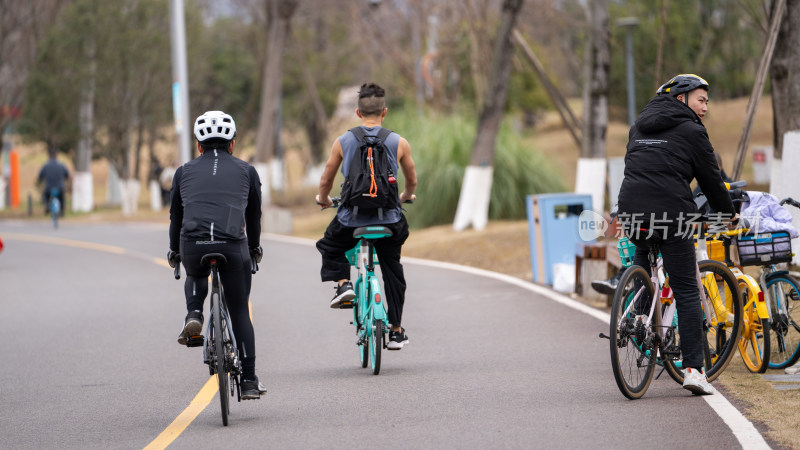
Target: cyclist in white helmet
<point>214,198</point>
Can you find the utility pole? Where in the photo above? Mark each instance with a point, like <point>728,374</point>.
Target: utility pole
<point>180,80</point>
<point>629,24</point>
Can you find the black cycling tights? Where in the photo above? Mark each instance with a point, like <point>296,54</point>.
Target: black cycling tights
<point>236,278</point>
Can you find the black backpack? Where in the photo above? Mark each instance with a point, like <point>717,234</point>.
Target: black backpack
<point>370,183</point>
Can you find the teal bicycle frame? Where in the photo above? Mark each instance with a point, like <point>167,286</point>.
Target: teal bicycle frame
<point>369,312</point>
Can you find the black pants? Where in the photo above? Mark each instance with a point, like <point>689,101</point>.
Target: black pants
<point>681,265</point>
<point>236,279</point>
<point>339,239</point>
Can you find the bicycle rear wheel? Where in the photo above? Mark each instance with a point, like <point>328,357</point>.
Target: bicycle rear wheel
<point>633,356</point>
<point>363,350</point>
<point>785,324</point>
<point>754,345</point>
<point>219,360</point>
<point>722,333</point>
<point>376,345</point>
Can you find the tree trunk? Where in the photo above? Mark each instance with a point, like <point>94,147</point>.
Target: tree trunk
<point>785,76</point>
<point>473,203</point>
<point>317,124</point>
<point>280,12</point>
<point>595,90</point>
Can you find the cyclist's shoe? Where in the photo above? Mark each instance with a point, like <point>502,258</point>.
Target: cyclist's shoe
<point>192,326</point>
<point>607,286</point>
<point>397,339</point>
<point>252,389</point>
<point>343,299</point>
<point>792,370</point>
<point>696,381</point>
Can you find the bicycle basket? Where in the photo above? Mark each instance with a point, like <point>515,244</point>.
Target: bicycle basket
<point>351,256</point>
<point>765,248</point>
<point>626,249</point>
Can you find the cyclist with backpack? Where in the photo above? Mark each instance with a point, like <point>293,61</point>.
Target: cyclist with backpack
<point>369,156</point>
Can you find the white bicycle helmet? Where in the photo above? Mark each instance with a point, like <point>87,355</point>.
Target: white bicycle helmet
<point>214,125</point>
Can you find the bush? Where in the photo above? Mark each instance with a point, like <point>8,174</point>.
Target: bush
<point>441,147</point>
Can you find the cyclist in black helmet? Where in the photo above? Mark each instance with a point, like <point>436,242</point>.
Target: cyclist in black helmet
<point>213,198</point>
<point>668,147</point>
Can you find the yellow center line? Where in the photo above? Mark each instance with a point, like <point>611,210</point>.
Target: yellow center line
<point>198,404</point>
<point>201,400</point>
<point>65,242</point>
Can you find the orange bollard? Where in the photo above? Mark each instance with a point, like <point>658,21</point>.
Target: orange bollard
<point>13,180</point>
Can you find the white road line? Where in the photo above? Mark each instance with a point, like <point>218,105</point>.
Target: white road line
<point>743,429</point>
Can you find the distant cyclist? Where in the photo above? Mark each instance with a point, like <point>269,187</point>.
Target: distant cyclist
<point>53,176</point>
<point>668,147</point>
<point>214,198</point>
<point>338,238</point>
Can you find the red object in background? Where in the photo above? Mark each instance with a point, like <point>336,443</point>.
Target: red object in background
<point>1,245</point>
<point>759,156</point>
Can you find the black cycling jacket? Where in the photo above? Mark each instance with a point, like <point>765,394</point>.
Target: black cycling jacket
<point>668,147</point>
<point>213,196</point>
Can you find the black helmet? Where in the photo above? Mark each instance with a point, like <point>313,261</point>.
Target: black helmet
<point>682,83</point>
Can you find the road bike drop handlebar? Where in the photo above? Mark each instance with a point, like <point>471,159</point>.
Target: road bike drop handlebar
<point>253,268</point>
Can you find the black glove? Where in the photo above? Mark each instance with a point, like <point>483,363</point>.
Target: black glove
<point>174,258</point>
<point>256,253</point>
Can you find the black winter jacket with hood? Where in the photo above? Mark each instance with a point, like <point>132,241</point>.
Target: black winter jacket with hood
<point>668,147</point>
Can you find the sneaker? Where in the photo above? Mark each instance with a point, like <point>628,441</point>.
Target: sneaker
<point>252,389</point>
<point>397,339</point>
<point>792,370</point>
<point>343,299</point>
<point>609,286</point>
<point>192,326</point>
<point>696,381</point>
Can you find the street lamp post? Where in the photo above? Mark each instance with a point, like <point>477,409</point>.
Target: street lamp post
<point>629,23</point>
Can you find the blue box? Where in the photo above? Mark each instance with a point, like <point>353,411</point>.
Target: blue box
<point>553,231</point>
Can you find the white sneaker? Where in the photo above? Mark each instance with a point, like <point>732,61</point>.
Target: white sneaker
<point>696,381</point>
<point>792,370</point>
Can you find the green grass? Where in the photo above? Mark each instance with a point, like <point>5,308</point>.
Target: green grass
<point>441,146</point>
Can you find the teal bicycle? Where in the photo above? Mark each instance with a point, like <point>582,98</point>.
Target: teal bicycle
<point>369,306</point>
<point>369,312</point>
<point>54,206</point>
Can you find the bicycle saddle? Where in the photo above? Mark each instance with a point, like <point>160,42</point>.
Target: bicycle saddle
<point>214,258</point>
<point>372,232</point>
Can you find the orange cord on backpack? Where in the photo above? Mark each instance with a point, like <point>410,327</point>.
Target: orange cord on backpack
<point>373,187</point>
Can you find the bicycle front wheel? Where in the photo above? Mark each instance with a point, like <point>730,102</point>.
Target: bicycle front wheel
<point>724,329</point>
<point>754,345</point>
<point>782,295</point>
<point>633,356</point>
<point>219,360</point>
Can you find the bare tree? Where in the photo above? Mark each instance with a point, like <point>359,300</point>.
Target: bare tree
<point>785,75</point>
<point>22,26</point>
<point>595,91</point>
<point>473,203</point>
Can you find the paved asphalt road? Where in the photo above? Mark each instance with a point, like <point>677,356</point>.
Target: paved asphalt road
<point>89,359</point>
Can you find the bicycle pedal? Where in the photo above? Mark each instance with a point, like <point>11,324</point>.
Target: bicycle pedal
<point>346,305</point>
<point>195,341</point>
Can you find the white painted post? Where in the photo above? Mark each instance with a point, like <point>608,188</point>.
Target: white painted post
<point>473,202</point>
<point>591,179</point>
<point>789,187</point>
<point>82,192</point>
